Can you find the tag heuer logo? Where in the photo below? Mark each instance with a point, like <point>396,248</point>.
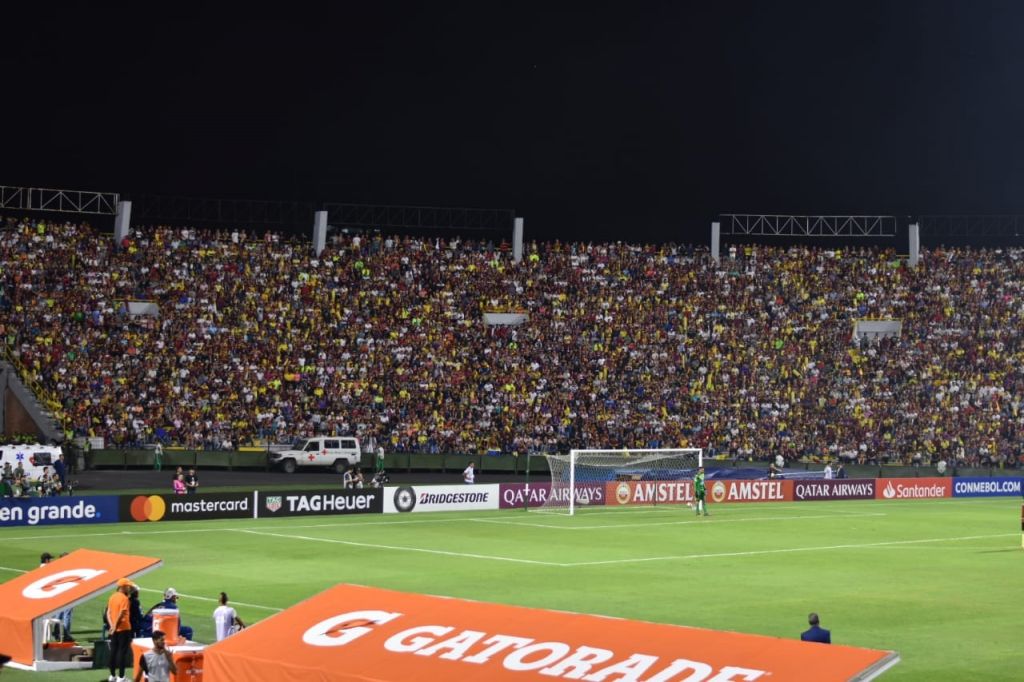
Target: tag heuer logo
<point>273,503</point>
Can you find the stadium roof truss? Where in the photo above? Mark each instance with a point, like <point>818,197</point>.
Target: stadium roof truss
<point>226,212</point>
<point>765,225</point>
<point>58,200</point>
<point>419,217</point>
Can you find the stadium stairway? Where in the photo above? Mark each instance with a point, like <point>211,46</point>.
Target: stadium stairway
<point>45,423</point>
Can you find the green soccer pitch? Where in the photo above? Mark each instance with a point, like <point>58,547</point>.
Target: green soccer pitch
<point>939,581</point>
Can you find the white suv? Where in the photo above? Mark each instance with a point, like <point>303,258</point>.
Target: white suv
<point>323,451</point>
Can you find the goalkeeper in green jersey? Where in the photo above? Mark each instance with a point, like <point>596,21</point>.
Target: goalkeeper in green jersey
<point>699,492</point>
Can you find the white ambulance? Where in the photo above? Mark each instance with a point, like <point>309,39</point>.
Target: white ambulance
<point>323,451</point>
<point>33,458</point>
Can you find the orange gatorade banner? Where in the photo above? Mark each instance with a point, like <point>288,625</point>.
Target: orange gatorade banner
<point>354,633</point>
<point>56,586</point>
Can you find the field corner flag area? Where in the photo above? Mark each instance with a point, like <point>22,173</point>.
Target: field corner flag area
<point>351,632</point>
<point>30,599</point>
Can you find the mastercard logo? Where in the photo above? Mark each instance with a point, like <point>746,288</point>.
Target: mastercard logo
<point>148,508</point>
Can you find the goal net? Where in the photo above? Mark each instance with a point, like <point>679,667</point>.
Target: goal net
<point>577,477</point>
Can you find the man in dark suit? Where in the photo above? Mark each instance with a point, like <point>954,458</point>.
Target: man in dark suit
<point>816,633</point>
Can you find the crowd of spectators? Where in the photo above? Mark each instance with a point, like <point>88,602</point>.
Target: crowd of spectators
<point>16,483</point>
<point>625,345</point>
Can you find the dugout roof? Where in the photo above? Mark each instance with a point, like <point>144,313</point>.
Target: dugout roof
<point>354,633</point>
<point>61,584</point>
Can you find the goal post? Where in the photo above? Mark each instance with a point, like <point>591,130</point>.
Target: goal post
<point>576,475</point>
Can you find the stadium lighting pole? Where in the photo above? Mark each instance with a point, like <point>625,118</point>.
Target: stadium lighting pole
<point>319,232</point>
<point>716,239</point>
<point>517,240</point>
<point>122,221</point>
<point>914,237</point>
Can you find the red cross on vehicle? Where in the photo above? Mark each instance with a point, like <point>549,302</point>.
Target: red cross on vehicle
<point>311,457</point>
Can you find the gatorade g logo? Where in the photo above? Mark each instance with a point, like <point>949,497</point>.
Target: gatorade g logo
<point>148,508</point>
<point>55,584</point>
<point>718,491</point>
<point>622,493</point>
<point>342,629</point>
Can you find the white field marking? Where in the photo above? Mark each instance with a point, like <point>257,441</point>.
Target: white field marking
<point>399,548</point>
<point>678,522</point>
<point>673,508</point>
<point>822,548</point>
<point>284,522</point>
<point>180,594</point>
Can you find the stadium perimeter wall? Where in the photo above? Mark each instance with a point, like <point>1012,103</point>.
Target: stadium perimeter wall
<point>258,504</point>
<point>445,463</point>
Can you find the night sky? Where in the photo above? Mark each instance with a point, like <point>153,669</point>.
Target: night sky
<point>594,121</point>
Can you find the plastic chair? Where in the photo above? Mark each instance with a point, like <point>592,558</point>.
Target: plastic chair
<point>53,630</point>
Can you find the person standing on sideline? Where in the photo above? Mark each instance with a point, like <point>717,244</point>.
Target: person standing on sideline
<point>61,469</point>
<point>828,471</point>
<point>379,468</point>
<point>158,457</point>
<point>816,633</point>
<point>119,619</point>
<point>700,492</point>
<point>225,619</point>
<point>157,663</point>
<point>191,482</point>
<point>469,475</point>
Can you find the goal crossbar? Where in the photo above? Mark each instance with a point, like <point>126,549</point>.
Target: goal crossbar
<point>574,474</point>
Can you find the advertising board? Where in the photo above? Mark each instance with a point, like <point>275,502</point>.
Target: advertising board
<point>913,488</point>
<point>730,490</point>
<point>845,489</point>
<point>47,511</point>
<point>146,508</point>
<point>519,495</point>
<point>648,492</point>
<point>273,505</point>
<point>986,487</point>
<point>432,498</point>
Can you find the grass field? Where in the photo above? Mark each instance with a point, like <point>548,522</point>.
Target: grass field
<point>940,581</point>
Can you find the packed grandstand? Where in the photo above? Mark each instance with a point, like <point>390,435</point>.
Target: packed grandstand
<point>250,338</point>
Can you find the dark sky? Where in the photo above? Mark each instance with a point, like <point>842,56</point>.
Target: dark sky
<point>633,120</point>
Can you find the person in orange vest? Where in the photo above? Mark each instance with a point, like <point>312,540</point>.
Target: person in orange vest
<point>119,619</point>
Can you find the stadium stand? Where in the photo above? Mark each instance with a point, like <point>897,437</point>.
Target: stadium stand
<point>215,339</point>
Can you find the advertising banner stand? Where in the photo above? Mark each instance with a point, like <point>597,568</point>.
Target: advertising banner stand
<point>38,595</point>
<point>351,633</point>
